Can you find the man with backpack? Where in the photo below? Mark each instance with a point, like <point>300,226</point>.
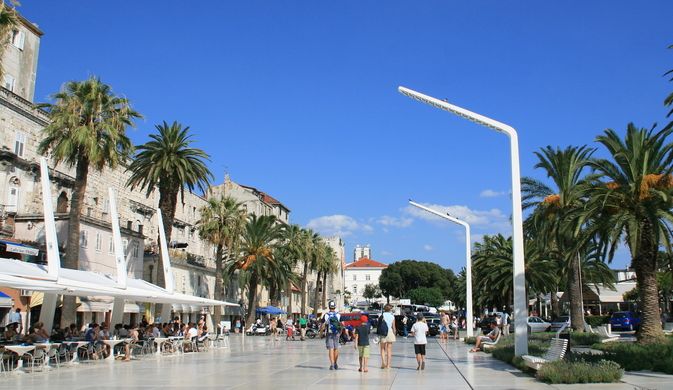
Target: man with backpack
<point>331,324</point>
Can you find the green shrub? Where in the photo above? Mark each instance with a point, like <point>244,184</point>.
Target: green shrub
<point>597,320</point>
<point>603,371</point>
<point>577,338</point>
<point>637,357</point>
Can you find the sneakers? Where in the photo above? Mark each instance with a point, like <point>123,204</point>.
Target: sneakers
<point>336,366</point>
<point>331,367</point>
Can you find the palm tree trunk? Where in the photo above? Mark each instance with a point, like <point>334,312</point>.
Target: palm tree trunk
<point>69,311</point>
<point>167,202</point>
<point>645,265</point>
<point>575,295</point>
<point>304,289</point>
<point>324,289</point>
<point>316,294</point>
<point>288,290</point>
<point>219,285</point>
<point>252,299</point>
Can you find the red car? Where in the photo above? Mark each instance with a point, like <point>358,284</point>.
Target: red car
<point>351,319</point>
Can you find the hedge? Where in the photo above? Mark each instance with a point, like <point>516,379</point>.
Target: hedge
<point>636,357</point>
<point>602,371</point>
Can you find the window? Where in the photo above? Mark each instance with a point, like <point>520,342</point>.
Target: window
<point>84,238</point>
<point>355,289</point>
<point>12,199</point>
<point>367,277</point>
<point>18,39</point>
<point>111,246</point>
<point>135,249</point>
<point>129,225</point>
<point>8,82</point>
<point>125,245</point>
<point>355,277</point>
<point>99,241</point>
<point>19,143</point>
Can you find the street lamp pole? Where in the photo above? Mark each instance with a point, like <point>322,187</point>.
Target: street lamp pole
<point>520,304</point>
<point>468,263</point>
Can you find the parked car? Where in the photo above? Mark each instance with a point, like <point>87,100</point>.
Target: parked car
<point>537,324</point>
<point>625,320</point>
<point>559,323</point>
<point>433,326</point>
<point>411,320</point>
<point>485,324</point>
<point>353,319</point>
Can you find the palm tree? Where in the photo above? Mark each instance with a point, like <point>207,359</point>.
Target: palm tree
<point>87,129</point>
<point>257,260</point>
<point>171,164</point>
<point>493,269</point>
<point>554,221</point>
<point>634,200</point>
<point>222,222</point>
<point>324,263</point>
<point>293,249</point>
<point>310,243</point>
<point>9,19</point>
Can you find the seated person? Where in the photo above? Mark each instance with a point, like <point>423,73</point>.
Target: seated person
<point>133,335</point>
<point>490,337</point>
<point>41,332</point>
<point>11,332</point>
<point>72,332</point>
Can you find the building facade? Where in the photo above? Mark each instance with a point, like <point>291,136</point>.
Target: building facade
<point>359,274</point>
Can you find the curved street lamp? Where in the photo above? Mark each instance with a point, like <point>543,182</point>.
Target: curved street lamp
<point>520,304</point>
<point>468,263</point>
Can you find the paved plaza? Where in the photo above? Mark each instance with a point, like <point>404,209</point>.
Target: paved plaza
<point>257,362</point>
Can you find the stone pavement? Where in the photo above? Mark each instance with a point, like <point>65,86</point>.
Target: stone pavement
<point>258,362</point>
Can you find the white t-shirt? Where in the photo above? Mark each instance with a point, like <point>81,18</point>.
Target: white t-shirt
<point>192,332</point>
<point>419,329</point>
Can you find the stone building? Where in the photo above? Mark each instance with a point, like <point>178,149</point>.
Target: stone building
<point>335,282</point>
<point>360,273</point>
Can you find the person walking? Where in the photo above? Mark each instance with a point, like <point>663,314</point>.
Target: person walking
<point>331,325</point>
<point>444,327</point>
<point>419,330</point>
<point>404,325</point>
<point>505,323</point>
<point>362,344</point>
<point>302,327</point>
<point>15,317</point>
<point>387,332</point>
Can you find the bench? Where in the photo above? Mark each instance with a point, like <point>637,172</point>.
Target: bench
<point>487,345</point>
<point>607,337</point>
<point>557,350</point>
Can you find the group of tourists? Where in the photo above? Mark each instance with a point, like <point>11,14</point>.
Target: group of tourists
<point>385,333</point>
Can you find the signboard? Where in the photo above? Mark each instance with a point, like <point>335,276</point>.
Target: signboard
<point>405,302</point>
<point>24,250</point>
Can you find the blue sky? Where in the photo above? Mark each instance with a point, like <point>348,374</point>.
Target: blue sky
<point>299,98</point>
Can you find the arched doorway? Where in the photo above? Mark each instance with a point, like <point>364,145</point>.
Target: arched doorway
<point>62,203</point>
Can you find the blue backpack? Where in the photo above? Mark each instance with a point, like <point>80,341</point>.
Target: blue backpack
<point>382,328</point>
<point>333,323</point>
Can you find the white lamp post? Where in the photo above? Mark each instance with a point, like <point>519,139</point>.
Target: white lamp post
<point>520,304</point>
<point>468,263</point>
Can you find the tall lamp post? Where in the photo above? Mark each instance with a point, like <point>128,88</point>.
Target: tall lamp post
<point>468,262</point>
<point>520,304</point>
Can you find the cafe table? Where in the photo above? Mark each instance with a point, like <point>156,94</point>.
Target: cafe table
<point>113,344</point>
<point>159,341</point>
<point>77,344</point>
<point>20,350</point>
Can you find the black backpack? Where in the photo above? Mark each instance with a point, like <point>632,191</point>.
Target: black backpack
<point>382,327</point>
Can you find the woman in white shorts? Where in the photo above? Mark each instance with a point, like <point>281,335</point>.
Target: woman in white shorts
<point>386,343</point>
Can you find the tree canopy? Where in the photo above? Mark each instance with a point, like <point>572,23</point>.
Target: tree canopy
<point>401,277</point>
